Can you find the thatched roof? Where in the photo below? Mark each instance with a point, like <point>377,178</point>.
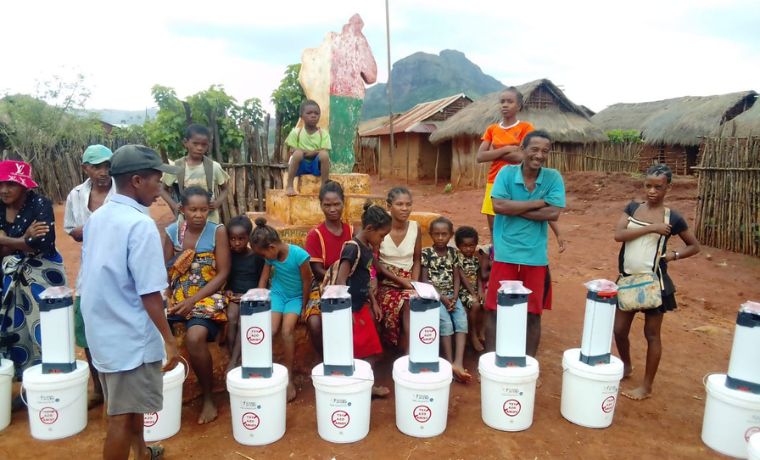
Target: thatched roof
<point>680,121</point>
<point>565,121</point>
<point>745,125</point>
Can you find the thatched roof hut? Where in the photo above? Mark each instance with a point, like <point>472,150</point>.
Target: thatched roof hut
<point>744,125</point>
<point>546,107</point>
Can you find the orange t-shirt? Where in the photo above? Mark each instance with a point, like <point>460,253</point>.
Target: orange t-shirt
<point>499,137</point>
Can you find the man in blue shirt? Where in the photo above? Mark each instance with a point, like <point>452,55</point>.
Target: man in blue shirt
<point>123,276</point>
<point>525,198</point>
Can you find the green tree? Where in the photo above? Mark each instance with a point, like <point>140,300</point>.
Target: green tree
<point>287,100</point>
<point>165,131</point>
<point>624,136</point>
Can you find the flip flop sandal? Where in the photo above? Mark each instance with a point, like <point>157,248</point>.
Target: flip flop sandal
<point>156,452</point>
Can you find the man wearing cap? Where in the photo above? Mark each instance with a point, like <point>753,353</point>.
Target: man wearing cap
<point>82,201</point>
<point>121,280</point>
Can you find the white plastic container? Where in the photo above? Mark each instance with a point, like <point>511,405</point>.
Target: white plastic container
<point>744,367</point>
<point>343,403</point>
<point>166,422</point>
<point>257,406</point>
<point>57,403</point>
<point>422,400</point>
<point>589,393</point>
<point>598,322</point>
<point>731,417</point>
<point>511,323</point>
<point>256,334</point>
<point>57,330</point>
<point>337,331</point>
<point>424,328</point>
<point>6,382</point>
<point>753,447</point>
<point>507,394</point>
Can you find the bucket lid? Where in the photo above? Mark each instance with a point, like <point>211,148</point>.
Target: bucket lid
<point>175,375</point>
<point>513,287</point>
<point>401,372</point>
<point>571,360</point>
<point>750,307</point>
<point>716,383</point>
<point>6,367</point>
<point>603,287</point>
<point>33,375</point>
<point>425,291</point>
<point>487,366</point>
<point>279,376</point>
<point>362,373</point>
<point>255,295</point>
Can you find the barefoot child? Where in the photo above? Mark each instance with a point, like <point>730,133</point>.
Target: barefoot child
<point>466,239</point>
<point>291,284</point>
<point>245,272</point>
<point>309,147</point>
<point>440,268</point>
<point>501,144</point>
<point>639,229</point>
<point>376,223</point>
<point>198,255</point>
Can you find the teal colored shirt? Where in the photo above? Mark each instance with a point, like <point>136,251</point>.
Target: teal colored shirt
<point>518,240</point>
<point>286,279</point>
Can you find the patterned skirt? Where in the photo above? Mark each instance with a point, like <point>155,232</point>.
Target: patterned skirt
<point>391,298</point>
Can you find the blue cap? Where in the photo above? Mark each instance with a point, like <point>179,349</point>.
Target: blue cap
<point>96,154</point>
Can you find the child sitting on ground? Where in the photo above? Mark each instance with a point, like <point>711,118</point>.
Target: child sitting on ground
<point>291,284</point>
<point>466,239</point>
<point>440,268</point>
<point>245,272</point>
<point>309,147</point>
<point>376,223</point>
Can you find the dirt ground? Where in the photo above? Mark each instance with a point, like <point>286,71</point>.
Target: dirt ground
<point>697,340</point>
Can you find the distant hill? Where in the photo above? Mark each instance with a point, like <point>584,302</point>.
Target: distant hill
<point>124,117</point>
<point>423,77</point>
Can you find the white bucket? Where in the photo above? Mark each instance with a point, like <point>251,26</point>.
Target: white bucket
<point>257,406</point>
<point>422,400</point>
<point>731,417</point>
<point>753,447</point>
<point>343,403</point>
<point>57,402</point>
<point>507,394</point>
<point>166,422</point>
<point>589,393</point>
<point>6,381</point>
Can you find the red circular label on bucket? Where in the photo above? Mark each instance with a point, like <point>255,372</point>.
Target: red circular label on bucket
<point>48,415</point>
<point>255,335</point>
<point>428,335</point>
<point>150,419</point>
<point>608,405</point>
<point>422,413</point>
<point>340,419</point>
<point>250,421</point>
<point>512,407</point>
<point>752,430</point>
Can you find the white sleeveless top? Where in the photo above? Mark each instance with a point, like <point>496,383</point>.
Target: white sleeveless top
<point>401,256</point>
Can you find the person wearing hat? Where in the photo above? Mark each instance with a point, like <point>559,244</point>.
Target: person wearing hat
<point>31,262</point>
<point>121,279</point>
<point>82,201</point>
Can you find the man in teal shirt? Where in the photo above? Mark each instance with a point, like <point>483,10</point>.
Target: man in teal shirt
<point>525,198</point>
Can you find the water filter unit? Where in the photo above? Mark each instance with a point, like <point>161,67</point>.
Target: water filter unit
<point>744,365</point>
<point>511,323</point>
<point>57,330</point>
<point>424,324</point>
<point>337,331</point>
<point>599,322</point>
<point>256,334</point>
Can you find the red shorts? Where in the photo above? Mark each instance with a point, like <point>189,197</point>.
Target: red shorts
<point>536,279</point>
<point>366,340</point>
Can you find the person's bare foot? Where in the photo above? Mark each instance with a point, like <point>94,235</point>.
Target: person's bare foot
<point>477,345</point>
<point>290,191</point>
<point>208,412</point>
<point>380,391</point>
<point>291,392</point>
<point>95,400</point>
<point>627,371</point>
<point>461,375</point>
<point>638,394</point>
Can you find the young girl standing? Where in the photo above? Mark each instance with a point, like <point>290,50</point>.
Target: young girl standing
<point>399,265</point>
<point>200,263</point>
<point>245,271</point>
<point>376,223</point>
<point>639,229</point>
<point>471,293</point>
<point>290,287</point>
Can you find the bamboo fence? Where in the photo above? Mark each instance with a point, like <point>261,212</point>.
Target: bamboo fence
<point>728,211</point>
<point>596,157</point>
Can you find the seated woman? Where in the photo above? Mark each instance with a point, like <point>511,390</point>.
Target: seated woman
<point>197,252</point>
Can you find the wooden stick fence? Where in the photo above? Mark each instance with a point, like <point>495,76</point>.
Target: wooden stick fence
<point>596,157</point>
<point>728,212</point>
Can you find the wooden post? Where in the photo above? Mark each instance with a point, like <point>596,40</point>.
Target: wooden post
<point>437,154</point>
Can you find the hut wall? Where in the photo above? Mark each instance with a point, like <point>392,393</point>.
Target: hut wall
<point>675,156</point>
<point>465,170</point>
<point>427,160</point>
<point>405,155</point>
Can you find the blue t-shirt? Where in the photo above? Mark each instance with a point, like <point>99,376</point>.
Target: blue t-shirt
<point>286,279</point>
<point>518,240</point>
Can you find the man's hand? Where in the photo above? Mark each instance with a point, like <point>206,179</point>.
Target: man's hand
<point>172,355</point>
<point>77,234</point>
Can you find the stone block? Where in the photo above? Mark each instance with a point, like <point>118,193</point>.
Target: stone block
<point>352,183</point>
<point>424,219</point>
<point>354,206</point>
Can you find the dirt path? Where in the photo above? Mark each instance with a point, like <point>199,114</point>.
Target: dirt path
<point>697,340</point>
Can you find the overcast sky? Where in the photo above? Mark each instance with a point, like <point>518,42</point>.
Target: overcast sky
<point>599,52</point>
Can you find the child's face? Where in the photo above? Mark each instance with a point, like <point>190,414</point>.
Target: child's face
<point>310,115</point>
<point>509,104</point>
<point>98,174</point>
<point>468,246</point>
<point>147,188</point>
<point>332,206</point>
<point>440,234</point>
<point>238,239</point>
<point>401,207</point>
<point>197,145</point>
<point>656,187</point>
<point>375,236</point>
<point>196,210</point>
